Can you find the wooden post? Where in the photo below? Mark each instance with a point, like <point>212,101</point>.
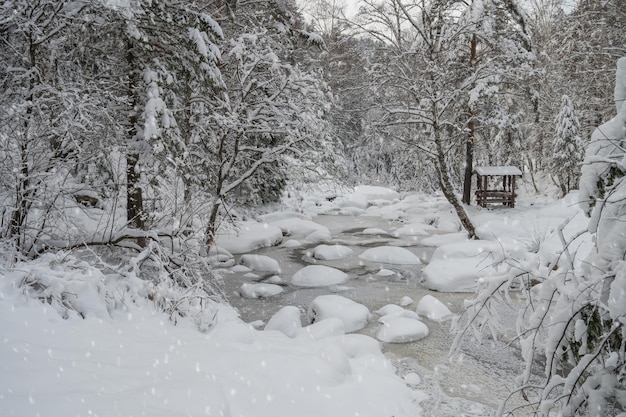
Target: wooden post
<point>512,191</point>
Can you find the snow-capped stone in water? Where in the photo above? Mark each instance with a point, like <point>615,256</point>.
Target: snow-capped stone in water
<point>412,378</point>
<point>390,255</point>
<point>402,330</point>
<point>391,311</point>
<point>251,275</point>
<point>260,263</point>
<point>354,316</point>
<point>318,236</point>
<point>286,320</point>
<point>257,324</point>
<point>330,327</point>
<point>249,236</point>
<point>415,229</point>
<point>357,201</point>
<point>291,243</point>
<point>318,276</point>
<point>300,228</point>
<point>385,272</point>
<point>259,290</point>
<point>275,279</point>
<point>406,301</point>
<point>374,231</point>
<point>240,268</point>
<point>388,309</point>
<point>331,252</point>
<point>434,309</point>
<point>457,267</point>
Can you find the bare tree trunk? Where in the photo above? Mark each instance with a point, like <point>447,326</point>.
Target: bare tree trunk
<point>446,186</point>
<point>469,141</point>
<point>135,213</point>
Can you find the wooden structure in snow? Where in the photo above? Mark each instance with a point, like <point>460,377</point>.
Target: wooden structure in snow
<point>489,179</point>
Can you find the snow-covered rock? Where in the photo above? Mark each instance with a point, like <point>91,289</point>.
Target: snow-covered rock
<point>249,236</point>
<point>354,316</point>
<point>457,267</point>
<point>434,309</point>
<point>262,290</point>
<point>372,192</point>
<point>415,229</point>
<point>331,252</point>
<point>401,330</point>
<point>285,320</point>
<point>406,301</point>
<point>444,239</point>
<point>390,255</point>
<point>318,276</point>
<point>261,263</point>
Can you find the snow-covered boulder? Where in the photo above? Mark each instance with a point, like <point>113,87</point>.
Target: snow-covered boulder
<point>390,255</point>
<point>323,329</point>
<point>260,263</point>
<point>444,239</point>
<point>457,267</point>
<point>262,290</point>
<point>415,229</point>
<point>331,252</point>
<point>249,236</point>
<point>401,330</point>
<point>434,309</point>
<point>286,320</point>
<point>318,276</point>
<point>300,229</point>
<point>372,192</point>
<point>354,316</point>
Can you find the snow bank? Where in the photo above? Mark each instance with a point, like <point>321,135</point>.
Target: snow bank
<point>354,316</point>
<point>318,276</point>
<point>390,255</point>
<point>140,364</point>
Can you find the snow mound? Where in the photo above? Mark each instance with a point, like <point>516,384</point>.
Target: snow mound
<point>286,320</point>
<point>318,276</point>
<point>401,330</point>
<point>248,237</point>
<point>406,301</point>
<point>457,267</point>
<point>260,263</point>
<point>444,239</point>
<point>331,252</point>
<point>259,290</point>
<point>434,309</point>
<point>390,255</point>
<point>354,316</point>
<point>302,229</point>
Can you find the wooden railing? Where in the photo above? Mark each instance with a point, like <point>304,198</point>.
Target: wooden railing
<point>484,197</point>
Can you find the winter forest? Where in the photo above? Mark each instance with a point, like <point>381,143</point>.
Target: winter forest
<point>268,208</point>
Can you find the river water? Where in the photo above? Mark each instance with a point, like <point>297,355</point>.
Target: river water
<point>472,382</point>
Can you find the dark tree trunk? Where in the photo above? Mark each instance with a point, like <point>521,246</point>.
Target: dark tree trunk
<point>469,141</point>
<point>135,213</point>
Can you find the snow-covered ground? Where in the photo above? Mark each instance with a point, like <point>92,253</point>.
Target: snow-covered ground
<point>128,359</point>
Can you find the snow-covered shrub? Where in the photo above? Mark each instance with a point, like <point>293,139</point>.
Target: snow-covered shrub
<point>573,321</point>
<point>105,281</point>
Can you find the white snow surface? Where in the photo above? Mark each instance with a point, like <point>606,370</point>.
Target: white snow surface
<point>261,263</point>
<point>353,315</point>
<point>140,364</point>
<point>285,320</point>
<point>260,290</point>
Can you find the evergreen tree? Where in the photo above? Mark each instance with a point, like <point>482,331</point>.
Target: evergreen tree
<point>568,148</point>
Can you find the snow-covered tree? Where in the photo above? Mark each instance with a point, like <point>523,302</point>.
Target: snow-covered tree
<point>573,321</point>
<point>568,147</point>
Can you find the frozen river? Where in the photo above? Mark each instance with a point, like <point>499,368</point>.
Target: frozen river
<point>472,382</point>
